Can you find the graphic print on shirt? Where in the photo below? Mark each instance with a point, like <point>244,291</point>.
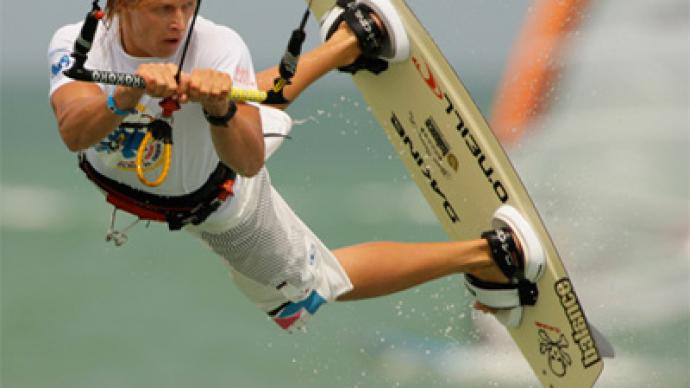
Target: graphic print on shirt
<point>61,62</point>
<point>119,149</point>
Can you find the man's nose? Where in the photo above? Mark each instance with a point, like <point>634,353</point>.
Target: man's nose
<point>179,22</point>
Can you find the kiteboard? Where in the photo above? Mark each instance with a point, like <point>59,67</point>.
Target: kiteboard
<point>465,175</point>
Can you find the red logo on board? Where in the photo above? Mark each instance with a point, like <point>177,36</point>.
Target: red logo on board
<point>428,77</point>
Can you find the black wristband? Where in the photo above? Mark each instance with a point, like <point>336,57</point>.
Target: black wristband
<point>222,121</point>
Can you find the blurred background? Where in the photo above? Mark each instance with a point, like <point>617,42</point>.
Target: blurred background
<point>592,108</point>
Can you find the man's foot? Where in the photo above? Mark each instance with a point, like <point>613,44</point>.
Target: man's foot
<point>380,34</point>
<point>519,257</point>
<point>493,273</point>
<point>347,46</point>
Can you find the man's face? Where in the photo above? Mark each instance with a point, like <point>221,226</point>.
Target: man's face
<point>155,28</point>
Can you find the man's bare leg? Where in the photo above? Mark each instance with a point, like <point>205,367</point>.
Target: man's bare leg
<point>381,268</point>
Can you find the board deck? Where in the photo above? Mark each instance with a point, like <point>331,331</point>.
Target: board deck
<point>465,175</point>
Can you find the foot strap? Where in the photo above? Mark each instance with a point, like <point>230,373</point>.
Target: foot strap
<point>502,296</point>
<point>374,65</point>
<point>524,266</point>
<point>370,36</point>
<point>509,259</point>
<point>505,252</point>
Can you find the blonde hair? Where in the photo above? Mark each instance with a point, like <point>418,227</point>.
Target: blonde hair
<point>114,7</point>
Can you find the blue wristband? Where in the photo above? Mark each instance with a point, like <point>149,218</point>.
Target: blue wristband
<point>113,108</point>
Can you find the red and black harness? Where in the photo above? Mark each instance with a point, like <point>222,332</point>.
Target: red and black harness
<point>176,211</point>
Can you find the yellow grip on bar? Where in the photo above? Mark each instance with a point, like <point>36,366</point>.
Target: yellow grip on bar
<point>248,95</point>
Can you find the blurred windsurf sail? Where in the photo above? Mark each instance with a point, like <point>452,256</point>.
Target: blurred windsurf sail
<point>534,65</point>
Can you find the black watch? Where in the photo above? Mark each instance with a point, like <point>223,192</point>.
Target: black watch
<point>222,121</point>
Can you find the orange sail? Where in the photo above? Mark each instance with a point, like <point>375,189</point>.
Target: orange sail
<point>533,67</point>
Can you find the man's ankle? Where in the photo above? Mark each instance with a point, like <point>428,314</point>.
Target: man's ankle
<point>348,47</point>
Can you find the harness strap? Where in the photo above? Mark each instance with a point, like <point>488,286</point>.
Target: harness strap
<point>177,211</point>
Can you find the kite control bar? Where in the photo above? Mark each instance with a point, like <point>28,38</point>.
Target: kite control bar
<point>82,46</point>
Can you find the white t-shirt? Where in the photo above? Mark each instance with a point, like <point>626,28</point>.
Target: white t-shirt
<point>194,156</point>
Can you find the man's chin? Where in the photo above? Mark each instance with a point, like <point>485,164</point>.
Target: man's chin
<point>167,49</point>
